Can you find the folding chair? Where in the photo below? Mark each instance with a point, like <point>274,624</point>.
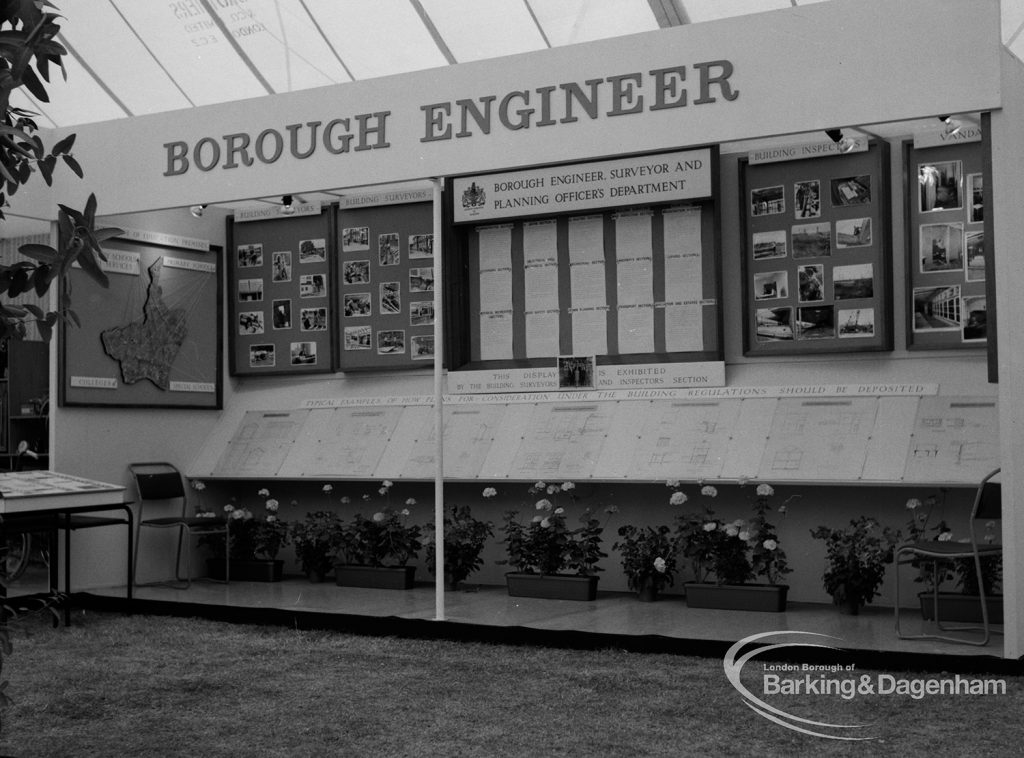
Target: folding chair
<point>987,506</point>
<point>163,482</point>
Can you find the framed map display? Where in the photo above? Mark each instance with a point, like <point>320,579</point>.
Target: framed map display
<point>153,338</point>
<point>816,254</point>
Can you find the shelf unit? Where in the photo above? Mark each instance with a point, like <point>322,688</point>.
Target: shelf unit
<point>24,385</point>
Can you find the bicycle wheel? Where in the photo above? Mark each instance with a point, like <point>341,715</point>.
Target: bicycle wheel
<point>16,557</point>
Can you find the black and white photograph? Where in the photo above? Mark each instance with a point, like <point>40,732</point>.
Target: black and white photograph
<point>975,318</point>
<point>855,281</point>
<point>937,309</point>
<point>390,341</point>
<point>355,272</point>
<point>855,323</point>
<point>262,356</point>
<point>769,244</point>
<point>250,290</point>
<point>975,245</point>
<point>421,246</point>
<point>774,324</point>
<point>576,372</point>
<point>853,232</point>
<point>421,347</point>
<point>281,313</point>
<point>771,285</point>
<point>358,338</point>
<point>390,298</point>
<point>940,186</point>
<point>816,322</point>
<point>767,201</point>
<point>250,322</point>
<point>357,304</point>
<point>355,239</point>
<point>303,353</point>
<point>807,199</point>
<point>941,247</point>
<point>389,251</point>
<point>313,285</point>
<point>811,282</point>
<point>250,256</point>
<point>812,240</point>
<point>281,266</point>
<point>976,194</point>
<point>312,251</point>
<point>421,279</point>
<point>421,313</point>
<point>313,319</point>
<point>851,190</point>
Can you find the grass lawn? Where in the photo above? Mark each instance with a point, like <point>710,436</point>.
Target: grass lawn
<point>115,686</point>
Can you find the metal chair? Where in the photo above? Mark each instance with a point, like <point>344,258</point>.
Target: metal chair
<point>163,482</point>
<point>987,506</point>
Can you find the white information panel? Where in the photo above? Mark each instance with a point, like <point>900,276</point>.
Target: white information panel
<point>954,439</point>
<point>261,443</point>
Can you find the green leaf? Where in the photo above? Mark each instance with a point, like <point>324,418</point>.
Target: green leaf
<point>43,253</point>
<point>35,310</point>
<point>73,165</point>
<point>64,146</point>
<point>34,85</point>
<point>92,268</point>
<point>41,280</point>
<point>107,233</point>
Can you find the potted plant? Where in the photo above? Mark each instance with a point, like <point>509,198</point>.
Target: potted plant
<point>374,551</point>
<point>857,556</point>
<point>316,540</point>
<point>648,558</point>
<point>727,556</point>
<point>464,539</point>
<point>963,605</point>
<point>549,559</point>
<point>255,541</point>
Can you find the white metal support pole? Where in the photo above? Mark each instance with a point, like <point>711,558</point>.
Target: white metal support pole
<point>438,412</point>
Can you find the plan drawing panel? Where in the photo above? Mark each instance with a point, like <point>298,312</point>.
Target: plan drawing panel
<point>468,434</point>
<point>684,440</point>
<point>955,439</point>
<point>562,441</point>
<point>825,438</point>
<point>261,443</point>
<point>346,442</point>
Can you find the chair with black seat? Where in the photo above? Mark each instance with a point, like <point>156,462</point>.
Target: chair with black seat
<point>987,506</point>
<point>162,482</point>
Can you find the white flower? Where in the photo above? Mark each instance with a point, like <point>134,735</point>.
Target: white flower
<point>708,491</point>
<point>710,526</point>
<point>612,509</point>
<point>271,519</point>
<point>237,514</point>
<point>659,565</point>
<point>328,488</point>
<point>346,499</point>
<point>544,505</point>
<point>731,530</point>
<point>540,486</point>
<point>382,491</point>
<point>387,484</point>
<point>559,510</point>
<point>672,483</point>
<point>228,508</point>
<point>990,524</point>
<point>782,509</point>
<point>264,492</point>
<point>198,485</point>
<point>378,516</point>
<point>678,498</point>
<point>272,505</point>
<point>945,536</point>
<point>545,523</point>
<point>765,490</point>
<point>770,544</point>
<point>913,503</point>
<point>366,496</point>
<point>206,514</point>
<point>742,481</point>
<point>411,501</point>
<point>536,519</point>
<point>490,492</point>
<point>566,486</point>
<point>745,536</point>
<point>405,511</point>
<point>552,489</point>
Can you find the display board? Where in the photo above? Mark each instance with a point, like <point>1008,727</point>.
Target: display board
<point>150,339</point>
<point>280,314</point>
<point>827,440</point>
<point>817,254</point>
<point>385,294</point>
<point>946,248</point>
<point>613,261</point>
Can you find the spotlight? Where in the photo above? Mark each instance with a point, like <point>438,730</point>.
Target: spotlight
<point>197,210</point>
<point>845,144</point>
<point>287,209</point>
<point>952,125</point>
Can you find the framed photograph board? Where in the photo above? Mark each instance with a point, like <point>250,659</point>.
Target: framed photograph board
<point>385,293</point>
<point>280,298</point>
<point>816,273</point>
<point>152,339</point>
<point>947,306</point>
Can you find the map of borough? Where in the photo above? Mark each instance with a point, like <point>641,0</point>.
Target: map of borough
<point>146,349</point>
